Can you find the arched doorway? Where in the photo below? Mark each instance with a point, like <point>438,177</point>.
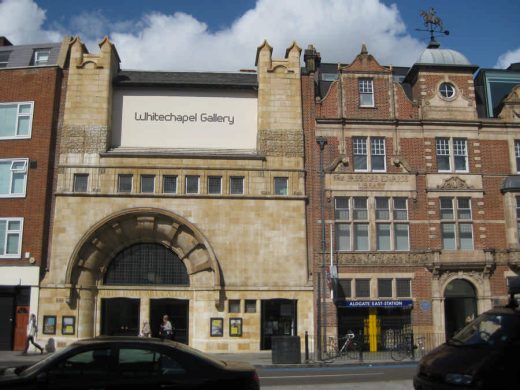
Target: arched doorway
<point>141,265</point>
<point>460,305</point>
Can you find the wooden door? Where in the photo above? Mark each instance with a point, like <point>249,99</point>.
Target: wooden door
<point>20,330</point>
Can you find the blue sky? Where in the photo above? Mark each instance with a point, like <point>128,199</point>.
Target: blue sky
<point>224,34</point>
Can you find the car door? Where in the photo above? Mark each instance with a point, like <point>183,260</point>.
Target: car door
<point>86,369</point>
<point>153,368</point>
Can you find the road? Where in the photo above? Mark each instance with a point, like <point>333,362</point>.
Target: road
<point>380,377</point>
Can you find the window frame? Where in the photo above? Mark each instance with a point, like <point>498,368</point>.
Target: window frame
<point>370,148</point>
<point>452,154</point>
<point>13,171</point>
<point>366,89</point>
<point>76,183</point>
<point>281,180</point>
<point>451,216</point>
<point>447,90</point>
<point>16,130</point>
<point>175,181</point>
<point>188,177</point>
<point>8,232</point>
<point>121,176</point>
<point>4,58</point>
<point>142,179</point>
<point>37,53</point>
<point>213,177</point>
<point>231,190</point>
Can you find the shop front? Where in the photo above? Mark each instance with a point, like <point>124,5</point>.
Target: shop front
<point>380,323</point>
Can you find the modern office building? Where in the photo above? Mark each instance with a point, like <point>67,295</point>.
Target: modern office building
<point>31,82</point>
<point>416,228</point>
<point>183,194</point>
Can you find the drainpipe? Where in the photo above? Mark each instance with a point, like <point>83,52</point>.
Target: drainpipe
<point>322,141</point>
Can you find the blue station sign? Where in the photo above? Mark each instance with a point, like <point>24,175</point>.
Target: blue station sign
<point>385,304</point>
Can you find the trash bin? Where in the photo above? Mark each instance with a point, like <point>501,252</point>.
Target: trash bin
<point>286,350</point>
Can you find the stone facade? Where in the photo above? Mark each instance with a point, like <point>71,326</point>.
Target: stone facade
<point>241,252</point>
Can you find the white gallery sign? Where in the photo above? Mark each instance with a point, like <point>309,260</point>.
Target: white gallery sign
<point>145,118</point>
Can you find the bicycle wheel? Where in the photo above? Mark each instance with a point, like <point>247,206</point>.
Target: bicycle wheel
<point>353,350</point>
<point>398,353</point>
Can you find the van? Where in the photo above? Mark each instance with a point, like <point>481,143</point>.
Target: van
<point>482,355</point>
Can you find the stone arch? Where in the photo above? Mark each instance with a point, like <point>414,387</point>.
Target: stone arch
<point>92,254</point>
<point>475,283</point>
<point>460,305</point>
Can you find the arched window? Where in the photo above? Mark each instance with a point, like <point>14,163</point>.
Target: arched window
<point>145,264</point>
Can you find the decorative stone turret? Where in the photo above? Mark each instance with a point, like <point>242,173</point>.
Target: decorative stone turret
<point>280,130</point>
<point>88,105</point>
<point>511,106</point>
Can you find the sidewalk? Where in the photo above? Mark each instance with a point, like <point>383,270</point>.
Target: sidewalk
<point>261,359</point>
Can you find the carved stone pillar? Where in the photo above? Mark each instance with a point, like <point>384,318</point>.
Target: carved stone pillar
<point>86,310</point>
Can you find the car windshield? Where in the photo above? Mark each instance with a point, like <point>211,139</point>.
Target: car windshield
<point>488,329</point>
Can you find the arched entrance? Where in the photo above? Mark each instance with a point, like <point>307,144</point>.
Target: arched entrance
<point>134,258</point>
<point>460,305</point>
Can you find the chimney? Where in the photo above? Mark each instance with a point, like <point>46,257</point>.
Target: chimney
<point>311,58</point>
<point>5,42</point>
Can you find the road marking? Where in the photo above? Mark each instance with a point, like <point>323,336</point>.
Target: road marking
<point>320,375</point>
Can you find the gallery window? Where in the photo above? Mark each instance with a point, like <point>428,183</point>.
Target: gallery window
<point>236,185</point>
<point>281,185</point>
<point>170,184</point>
<point>456,223</point>
<point>124,183</point>
<point>16,120</point>
<point>369,154</point>
<point>192,184</point>
<point>147,183</point>
<point>214,185</point>
<point>452,154</point>
<point>80,182</point>
<point>362,288</point>
<point>13,178</point>
<point>11,237</point>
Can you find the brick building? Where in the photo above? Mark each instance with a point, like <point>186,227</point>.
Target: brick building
<point>418,218</point>
<point>31,81</point>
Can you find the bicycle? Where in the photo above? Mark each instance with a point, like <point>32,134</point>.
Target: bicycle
<point>403,349</point>
<point>347,346</point>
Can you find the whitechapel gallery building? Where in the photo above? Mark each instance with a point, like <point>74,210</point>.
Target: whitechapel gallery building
<point>180,194</point>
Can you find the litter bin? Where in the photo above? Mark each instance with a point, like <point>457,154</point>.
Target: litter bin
<point>286,350</point>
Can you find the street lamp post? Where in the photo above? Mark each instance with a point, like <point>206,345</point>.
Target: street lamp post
<point>322,141</point>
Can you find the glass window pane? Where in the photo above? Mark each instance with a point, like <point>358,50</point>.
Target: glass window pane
<point>280,185</point>
<point>443,163</point>
<point>341,211</point>
<point>24,123</point>
<point>192,184</point>
<point>250,306</point>
<point>342,237</point>
<point>80,183</point>
<point>13,241</point>
<point>400,209</point>
<point>466,236</point>
<point>361,237</point>
<point>3,227</point>
<point>214,185</point>
<point>125,183</point>
<point>401,237</point>
<point>384,288</point>
<point>460,163</point>
<point>234,305</point>
<point>147,183</point>
<point>5,177</point>
<point>170,184</point>
<point>383,236</point>
<point>403,287</point>
<point>362,288</point>
<point>18,186</point>
<point>360,209</point>
<point>446,208</point>
<point>378,163</point>
<point>14,225</point>
<point>344,288</point>
<point>366,99</point>
<point>382,209</point>
<point>8,114</point>
<point>237,185</point>
<point>448,235</point>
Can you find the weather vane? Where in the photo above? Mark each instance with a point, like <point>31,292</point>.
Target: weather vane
<point>433,25</point>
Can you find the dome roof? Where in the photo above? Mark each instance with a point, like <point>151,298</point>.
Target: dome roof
<point>435,56</point>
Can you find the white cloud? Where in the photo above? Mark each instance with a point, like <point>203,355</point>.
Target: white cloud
<point>508,58</point>
<point>21,22</point>
<point>178,41</point>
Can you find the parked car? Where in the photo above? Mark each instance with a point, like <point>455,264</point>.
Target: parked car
<point>483,355</point>
<point>130,362</point>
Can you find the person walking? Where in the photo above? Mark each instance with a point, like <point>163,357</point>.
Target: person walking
<point>32,330</point>
<point>166,330</point>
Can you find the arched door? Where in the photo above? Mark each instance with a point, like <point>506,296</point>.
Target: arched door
<point>460,305</point>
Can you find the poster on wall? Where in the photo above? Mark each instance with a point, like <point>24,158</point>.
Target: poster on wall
<point>49,324</point>
<point>235,327</point>
<point>68,325</point>
<point>217,327</point>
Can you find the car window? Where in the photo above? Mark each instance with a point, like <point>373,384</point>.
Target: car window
<point>140,362</point>
<point>87,364</point>
<point>489,329</point>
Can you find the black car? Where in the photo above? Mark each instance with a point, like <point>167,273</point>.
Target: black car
<point>483,355</point>
<point>130,362</point>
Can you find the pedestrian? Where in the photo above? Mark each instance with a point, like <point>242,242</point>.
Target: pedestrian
<point>166,330</point>
<point>146,331</point>
<point>32,330</point>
